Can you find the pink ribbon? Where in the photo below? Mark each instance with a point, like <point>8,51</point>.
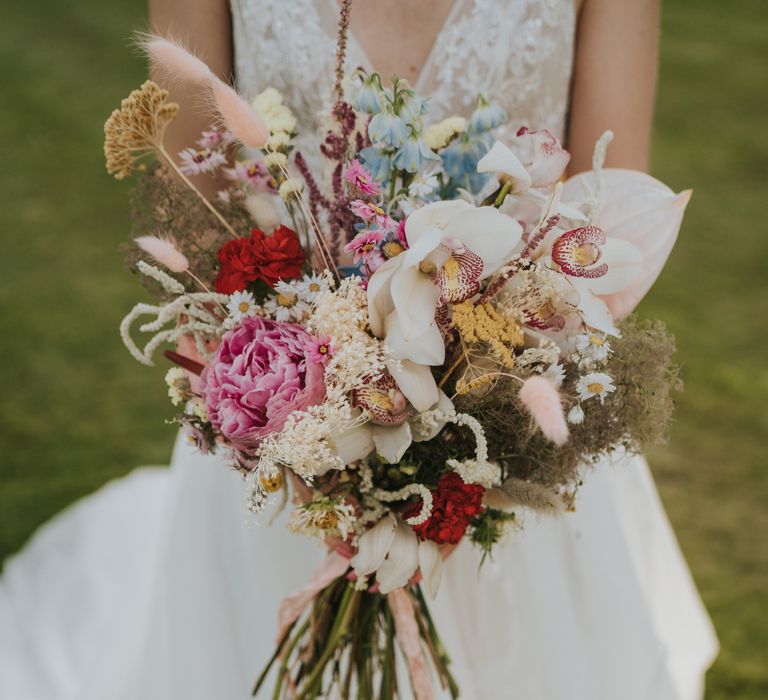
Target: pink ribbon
<point>334,566</point>
<point>408,635</point>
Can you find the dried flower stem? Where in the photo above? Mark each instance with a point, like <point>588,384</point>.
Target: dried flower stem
<point>341,47</point>
<point>161,150</point>
<point>315,228</point>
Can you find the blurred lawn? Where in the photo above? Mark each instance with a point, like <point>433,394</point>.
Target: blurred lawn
<point>76,410</point>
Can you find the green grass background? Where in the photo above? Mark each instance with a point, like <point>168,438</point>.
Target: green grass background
<point>76,411</point>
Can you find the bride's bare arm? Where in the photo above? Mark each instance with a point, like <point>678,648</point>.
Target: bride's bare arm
<point>614,81</point>
<point>205,26</point>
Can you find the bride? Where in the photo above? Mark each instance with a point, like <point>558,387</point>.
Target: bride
<point>157,587</point>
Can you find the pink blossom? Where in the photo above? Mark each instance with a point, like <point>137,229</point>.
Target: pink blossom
<point>361,179</point>
<point>250,172</point>
<point>213,138</point>
<point>259,375</point>
<point>401,234</point>
<point>365,245</point>
<point>204,161</point>
<point>373,212</point>
<point>541,154</point>
<point>319,350</point>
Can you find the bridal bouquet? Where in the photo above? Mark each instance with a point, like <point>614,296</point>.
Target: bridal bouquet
<point>433,343</point>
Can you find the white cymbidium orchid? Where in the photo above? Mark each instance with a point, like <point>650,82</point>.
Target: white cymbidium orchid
<point>639,211</point>
<point>391,440</point>
<point>452,246</point>
<point>532,159</point>
<point>392,550</point>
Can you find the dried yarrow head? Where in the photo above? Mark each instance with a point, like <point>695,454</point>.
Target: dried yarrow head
<point>136,128</point>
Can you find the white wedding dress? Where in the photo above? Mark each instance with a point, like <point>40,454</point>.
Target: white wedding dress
<point>158,587</point>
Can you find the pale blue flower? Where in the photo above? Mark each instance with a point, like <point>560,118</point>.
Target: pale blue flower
<point>487,116</point>
<point>370,97</point>
<point>413,156</point>
<point>414,107</point>
<point>460,163</point>
<point>377,163</point>
<point>387,128</point>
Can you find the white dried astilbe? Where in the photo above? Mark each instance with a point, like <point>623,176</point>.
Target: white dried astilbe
<point>187,314</point>
<point>342,316</point>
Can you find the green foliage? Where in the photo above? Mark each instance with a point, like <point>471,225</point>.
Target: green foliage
<point>76,411</point>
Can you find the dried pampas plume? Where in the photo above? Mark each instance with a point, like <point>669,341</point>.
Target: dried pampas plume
<point>542,399</point>
<point>179,64</point>
<point>164,252</point>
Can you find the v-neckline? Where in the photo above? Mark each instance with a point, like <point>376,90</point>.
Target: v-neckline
<point>423,71</point>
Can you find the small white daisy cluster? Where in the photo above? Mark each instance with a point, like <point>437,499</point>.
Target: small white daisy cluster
<point>292,301</point>
<point>324,517</point>
<point>591,352</point>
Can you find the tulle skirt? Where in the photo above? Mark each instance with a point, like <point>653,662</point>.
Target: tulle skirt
<point>160,587</point>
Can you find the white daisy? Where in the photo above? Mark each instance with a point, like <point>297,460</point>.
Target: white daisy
<point>593,346</point>
<point>422,186</point>
<point>555,373</point>
<point>309,286</point>
<point>287,304</point>
<point>576,415</point>
<point>240,305</point>
<point>595,384</point>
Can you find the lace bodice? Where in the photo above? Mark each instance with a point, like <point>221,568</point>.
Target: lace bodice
<point>519,52</point>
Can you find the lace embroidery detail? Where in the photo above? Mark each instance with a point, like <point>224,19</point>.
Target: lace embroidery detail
<point>518,51</point>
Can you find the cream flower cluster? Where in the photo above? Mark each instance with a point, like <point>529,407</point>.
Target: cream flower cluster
<point>278,117</point>
<point>439,135</point>
<point>342,316</point>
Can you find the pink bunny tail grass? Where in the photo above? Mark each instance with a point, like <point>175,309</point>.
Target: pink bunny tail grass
<point>164,252</point>
<point>542,399</point>
<point>238,116</point>
<point>173,60</point>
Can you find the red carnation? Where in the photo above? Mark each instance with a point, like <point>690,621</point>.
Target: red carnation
<point>259,257</point>
<point>454,505</point>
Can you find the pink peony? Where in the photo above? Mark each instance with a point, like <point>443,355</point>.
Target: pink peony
<point>259,375</point>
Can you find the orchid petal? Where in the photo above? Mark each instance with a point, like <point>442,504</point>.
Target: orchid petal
<point>416,382</point>
<point>487,233</point>
<point>424,346</point>
<point>354,444</point>
<point>401,562</point>
<point>422,247</point>
<point>501,159</point>
<point>392,440</point>
<point>380,303</point>
<point>625,262</point>
<point>435,214</point>
<point>373,545</point>
<point>415,297</point>
<point>431,566</point>
<point>595,311</point>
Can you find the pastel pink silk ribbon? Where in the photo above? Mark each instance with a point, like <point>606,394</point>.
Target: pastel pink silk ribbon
<point>408,635</point>
<point>334,566</point>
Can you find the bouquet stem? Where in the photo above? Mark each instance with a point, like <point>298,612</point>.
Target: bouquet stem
<point>348,642</point>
